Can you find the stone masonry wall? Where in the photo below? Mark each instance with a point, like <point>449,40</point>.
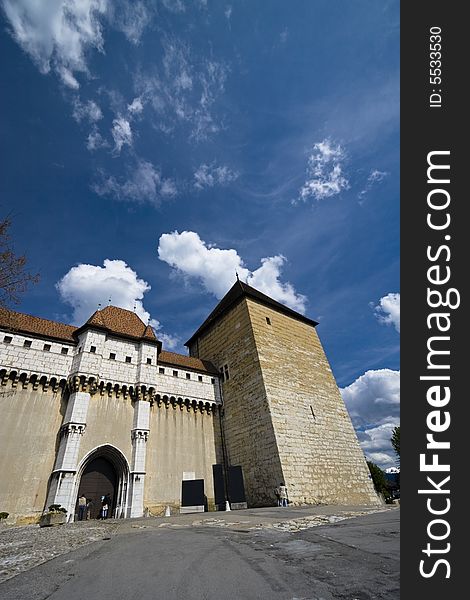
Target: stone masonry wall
<point>179,441</point>
<point>27,450</point>
<point>318,448</point>
<point>249,434</point>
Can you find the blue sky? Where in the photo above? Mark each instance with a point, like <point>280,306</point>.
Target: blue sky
<point>183,141</point>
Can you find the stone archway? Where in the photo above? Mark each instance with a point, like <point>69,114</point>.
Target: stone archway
<point>104,470</point>
<point>99,479</point>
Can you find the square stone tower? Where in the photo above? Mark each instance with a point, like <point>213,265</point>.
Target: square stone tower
<point>284,418</point>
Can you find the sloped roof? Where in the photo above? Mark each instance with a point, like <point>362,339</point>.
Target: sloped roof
<point>13,321</point>
<point>188,362</point>
<point>236,293</point>
<point>120,322</point>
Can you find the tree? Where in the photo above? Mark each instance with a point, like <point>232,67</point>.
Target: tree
<point>14,277</point>
<point>395,439</point>
<point>379,480</point>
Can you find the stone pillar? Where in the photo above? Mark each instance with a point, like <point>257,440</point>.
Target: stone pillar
<point>63,477</point>
<point>139,435</point>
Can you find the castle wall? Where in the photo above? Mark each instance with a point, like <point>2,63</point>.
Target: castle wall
<point>180,441</point>
<point>249,434</point>
<point>29,424</point>
<point>318,448</point>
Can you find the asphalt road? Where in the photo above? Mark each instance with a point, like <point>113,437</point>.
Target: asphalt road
<point>355,559</point>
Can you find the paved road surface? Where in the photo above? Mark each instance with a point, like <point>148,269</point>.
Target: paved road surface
<point>355,559</point>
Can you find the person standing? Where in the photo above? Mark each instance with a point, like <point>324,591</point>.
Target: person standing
<point>82,508</point>
<point>283,494</point>
<point>104,507</point>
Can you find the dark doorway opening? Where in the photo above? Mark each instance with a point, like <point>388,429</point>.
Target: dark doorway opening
<point>99,479</point>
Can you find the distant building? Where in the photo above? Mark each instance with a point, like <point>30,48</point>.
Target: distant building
<point>103,409</point>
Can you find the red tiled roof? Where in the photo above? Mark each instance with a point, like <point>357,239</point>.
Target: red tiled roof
<point>15,321</point>
<point>180,360</point>
<point>121,322</point>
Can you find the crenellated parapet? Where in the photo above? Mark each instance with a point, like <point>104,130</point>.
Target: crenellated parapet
<point>23,379</point>
<point>188,404</point>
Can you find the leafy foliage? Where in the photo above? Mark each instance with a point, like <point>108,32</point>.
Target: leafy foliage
<point>379,480</point>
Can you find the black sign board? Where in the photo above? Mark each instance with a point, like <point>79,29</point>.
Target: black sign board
<point>192,493</point>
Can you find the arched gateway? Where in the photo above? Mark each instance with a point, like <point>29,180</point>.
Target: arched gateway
<point>104,471</point>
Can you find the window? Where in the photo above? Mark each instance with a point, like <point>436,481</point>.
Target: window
<point>161,370</point>
<point>112,356</point>
<point>199,377</point>
<point>188,375</point>
<point>27,344</point>
<point>213,381</point>
<point>64,350</point>
<point>8,339</point>
<point>149,361</point>
<point>175,373</point>
<point>268,320</point>
<point>128,359</point>
<point>226,373</point>
<point>221,370</point>
<point>47,347</point>
<point>92,349</point>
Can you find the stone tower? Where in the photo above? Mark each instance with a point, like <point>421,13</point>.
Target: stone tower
<point>284,418</point>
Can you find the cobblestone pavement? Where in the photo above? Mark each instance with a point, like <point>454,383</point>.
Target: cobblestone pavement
<point>24,547</point>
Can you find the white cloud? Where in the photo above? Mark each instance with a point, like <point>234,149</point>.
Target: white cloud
<point>143,184</point>
<point>374,398</point>
<point>215,268</point>
<point>122,134</point>
<point>325,176</point>
<point>284,35</point>
<point>84,287</point>
<point>228,12</point>
<point>373,401</point>
<point>374,177</point>
<point>388,310</point>
<point>57,34</point>
<point>210,175</point>
<point>136,106</point>
<point>89,111</point>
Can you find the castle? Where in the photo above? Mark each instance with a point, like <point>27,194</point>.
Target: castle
<point>102,408</point>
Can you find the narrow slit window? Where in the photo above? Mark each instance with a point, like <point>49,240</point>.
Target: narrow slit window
<point>199,377</point>
<point>175,373</point>
<point>149,361</point>
<point>112,356</point>
<point>128,359</point>
<point>268,320</point>
<point>188,375</point>
<point>64,350</point>
<point>27,344</point>
<point>47,347</point>
<point>93,349</point>
<point>161,370</point>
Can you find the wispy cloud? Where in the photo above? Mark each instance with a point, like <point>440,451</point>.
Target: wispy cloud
<point>215,268</point>
<point>122,134</point>
<point>184,90</point>
<point>143,183</point>
<point>325,177</point>
<point>57,35</point>
<point>135,107</point>
<point>89,111</point>
<point>211,175</point>
<point>131,17</point>
<point>374,177</point>
<point>387,310</point>
<point>95,140</point>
